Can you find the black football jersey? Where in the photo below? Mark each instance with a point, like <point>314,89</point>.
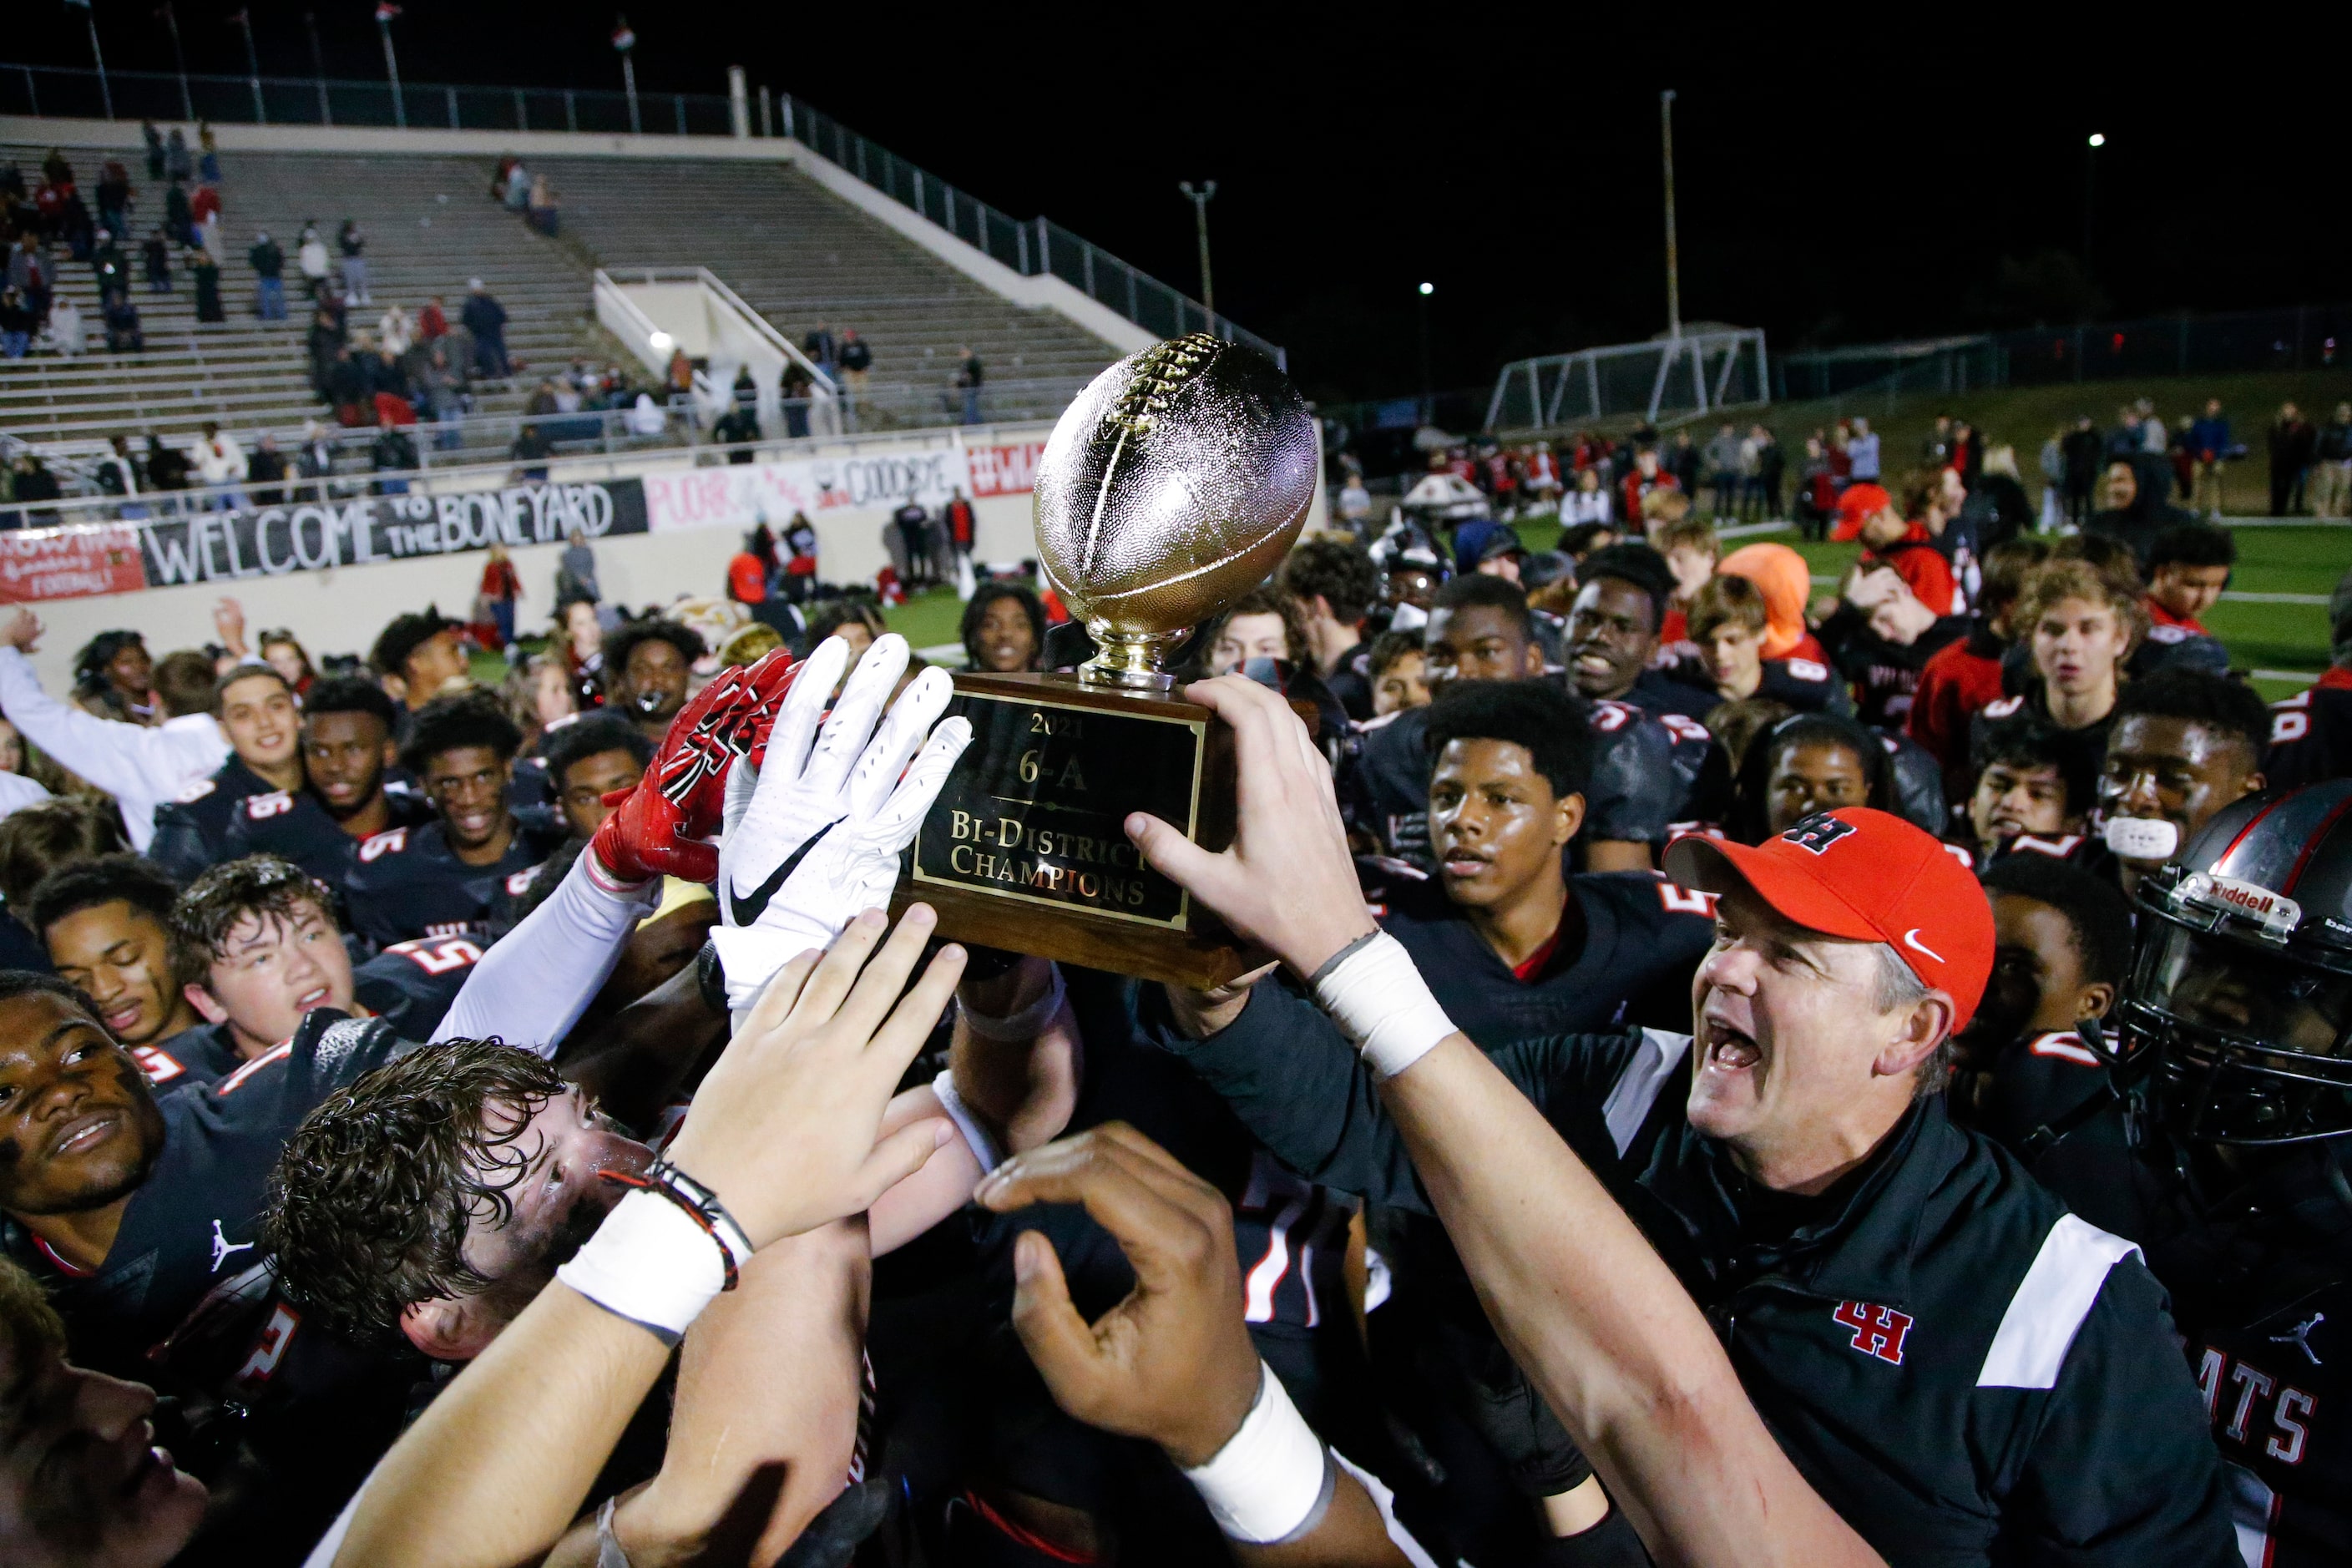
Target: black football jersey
<point>1886,675</point>
<point>2265,1312</point>
<point>2311,734</point>
<point>2081,851</point>
<point>1806,685</point>
<point>293,825</point>
<point>411,985</point>
<point>192,1224</point>
<point>407,882</point>
<point>1350,683</point>
<point>191,833</point>
<point>1635,791</point>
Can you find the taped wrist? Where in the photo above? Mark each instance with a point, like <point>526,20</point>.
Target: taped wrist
<point>650,1263</point>
<point>1023,1025</point>
<point>1381,1002</point>
<point>1273,1481</point>
<point>976,1137</point>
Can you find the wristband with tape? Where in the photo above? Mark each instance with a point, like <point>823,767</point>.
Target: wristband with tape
<point>1272,1481</point>
<point>649,1262</point>
<point>976,1137</point>
<point>1022,1025</point>
<point>1379,1001</point>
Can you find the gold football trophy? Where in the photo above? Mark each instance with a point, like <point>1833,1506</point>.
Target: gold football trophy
<point>1175,483</point>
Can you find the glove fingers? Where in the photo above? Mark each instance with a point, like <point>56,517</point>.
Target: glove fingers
<point>796,721</point>
<point>743,780</point>
<point>851,723</point>
<point>893,827</point>
<point>901,735</point>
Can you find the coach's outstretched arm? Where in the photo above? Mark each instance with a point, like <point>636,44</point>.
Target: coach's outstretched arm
<point>1585,1305</point>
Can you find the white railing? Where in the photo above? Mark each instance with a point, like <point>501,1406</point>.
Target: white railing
<point>733,338</point>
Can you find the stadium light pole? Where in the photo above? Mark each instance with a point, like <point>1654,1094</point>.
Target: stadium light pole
<point>179,58</point>
<point>1199,196</point>
<point>1428,397</point>
<point>384,15</point>
<point>243,21</point>
<point>2091,196</point>
<point>318,67</point>
<point>624,40</point>
<point>1674,258</point>
<point>98,57</point>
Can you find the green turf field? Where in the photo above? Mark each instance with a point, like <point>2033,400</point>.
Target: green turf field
<point>2265,637</point>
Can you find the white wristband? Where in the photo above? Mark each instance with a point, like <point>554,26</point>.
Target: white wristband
<point>1381,1002</point>
<point>976,1137</point>
<point>1021,1026</point>
<point>650,1263</point>
<point>1272,1479</point>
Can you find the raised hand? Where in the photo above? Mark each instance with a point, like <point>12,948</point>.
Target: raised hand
<point>658,825</point>
<point>815,837</point>
<point>1174,1361</point>
<point>1287,879</point>
<point>783,1128</point>
<point>229,620</point>
<point>22,631</point>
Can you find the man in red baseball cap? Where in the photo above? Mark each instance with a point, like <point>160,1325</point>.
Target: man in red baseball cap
<point>1867,512</point>
<point>1918,1324</point>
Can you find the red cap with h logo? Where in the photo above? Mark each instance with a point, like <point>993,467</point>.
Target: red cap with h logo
<point>1865,876</point>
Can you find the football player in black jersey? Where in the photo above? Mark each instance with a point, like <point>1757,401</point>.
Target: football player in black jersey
<point>2025,1075</point>
<point>1479,630</point>
<point>649,666</point>
<point>443,879</point>
<point>259,948</point>
<point>255,710</point>
<point>589,758</point>
<point>1612,634</point>
<point>1515,950</point>
<point>2183,746</point>
<point>2024,788</point>
<point>1727,621</point>
<point>83,1480</point>
<point>2239,1014</point>
<point>107,925</point>
<point>347,747</point>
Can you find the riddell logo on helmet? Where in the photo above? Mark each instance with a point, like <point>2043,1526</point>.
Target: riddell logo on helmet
<point>2276,912</point>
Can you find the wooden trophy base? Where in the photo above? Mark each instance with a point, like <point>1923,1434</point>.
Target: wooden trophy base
<point>1025,848</point>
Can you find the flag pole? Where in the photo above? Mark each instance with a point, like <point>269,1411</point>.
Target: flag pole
<point>244,19</point>
<point>384,15</point>
<point>98,56</point>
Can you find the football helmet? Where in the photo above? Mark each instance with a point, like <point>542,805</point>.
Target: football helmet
<point>2239,1008</point>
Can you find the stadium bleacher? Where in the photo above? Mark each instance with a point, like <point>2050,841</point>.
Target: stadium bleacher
<point>795,252</point>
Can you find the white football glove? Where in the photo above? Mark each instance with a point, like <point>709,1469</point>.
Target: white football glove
<point>811,838</point>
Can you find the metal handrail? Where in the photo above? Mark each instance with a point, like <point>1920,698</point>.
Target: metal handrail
<point>561,469</point>
<point>1030,246</point>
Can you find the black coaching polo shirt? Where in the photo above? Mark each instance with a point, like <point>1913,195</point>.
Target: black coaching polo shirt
<point>1966,1373</point>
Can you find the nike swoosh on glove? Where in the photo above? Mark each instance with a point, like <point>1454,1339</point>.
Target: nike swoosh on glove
<point>813,834</point>
<point>658,825</point>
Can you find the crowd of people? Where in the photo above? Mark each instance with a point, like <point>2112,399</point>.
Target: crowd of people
<point>1741,1074</point>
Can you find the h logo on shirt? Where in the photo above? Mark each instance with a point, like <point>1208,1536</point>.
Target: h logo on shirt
<point>1877,1331</point>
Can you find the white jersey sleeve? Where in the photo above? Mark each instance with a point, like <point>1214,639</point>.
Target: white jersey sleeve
<point>533,983</point>
<point>138,766</point>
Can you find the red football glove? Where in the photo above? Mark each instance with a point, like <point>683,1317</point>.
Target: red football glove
<point>658,826</point>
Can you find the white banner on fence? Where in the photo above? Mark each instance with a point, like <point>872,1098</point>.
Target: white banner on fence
<point>742,495</point>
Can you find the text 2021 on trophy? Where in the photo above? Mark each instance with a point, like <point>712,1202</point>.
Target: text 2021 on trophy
<point>1174,484</point>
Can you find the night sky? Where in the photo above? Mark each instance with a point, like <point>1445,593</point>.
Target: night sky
<point>1853,178</point>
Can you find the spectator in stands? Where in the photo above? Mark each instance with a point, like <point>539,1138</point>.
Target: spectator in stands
<point>315,462</point>
<point>529,453</point>
<point>737,430</point>
<point>968,378</point>
<point>220,464</point>
<point>167,467</point>
<point>179,216</point>
<point>794,388</point>
<point>207,154</point>
<point>154,140</point>
<point>353,244</point>
<point>118,475</point>
<point>205,214</point>
<point>543,209</point>
<point>487,319</point>
<point>16,325</point>
<point>856,360</point>
<point>63,336</point>
<point>801,559</point>
<point>394,330</point>
<point>206,272</point>
<point>440,398</point>
<point>822,348</point>
<point>515,192</point>
<point>177,163</point>
<point>155,254</point>
<point>2292,443</point>
<point>392,456</point>
<point>310,258</point>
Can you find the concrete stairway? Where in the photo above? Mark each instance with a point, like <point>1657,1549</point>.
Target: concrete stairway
<point>800,254</point>
<point>430,226</point>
